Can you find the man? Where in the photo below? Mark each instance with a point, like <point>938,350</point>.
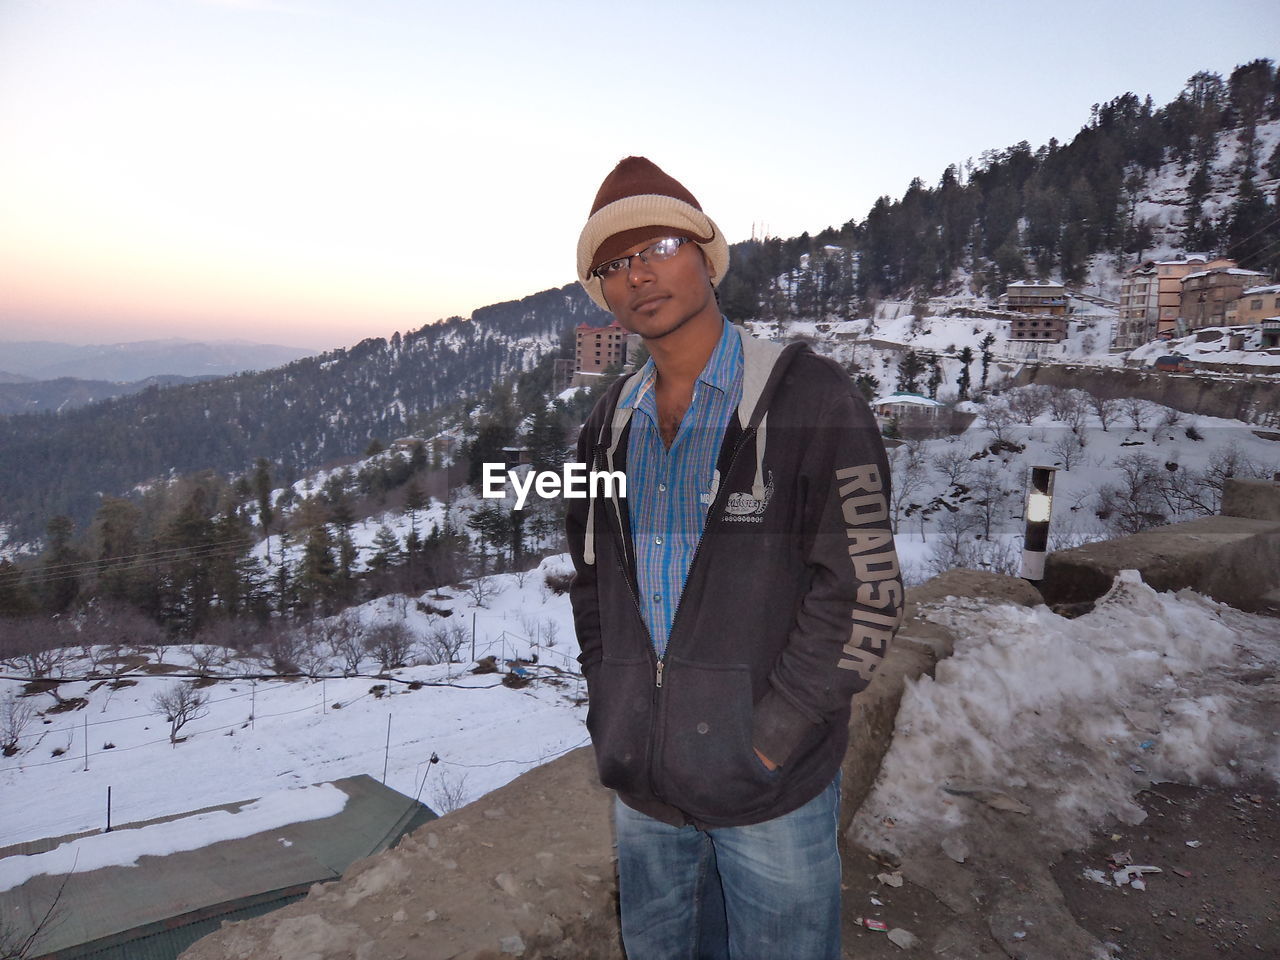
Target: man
<point>730,605</point>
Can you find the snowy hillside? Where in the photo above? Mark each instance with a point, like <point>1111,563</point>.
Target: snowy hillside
<point>261,735</point>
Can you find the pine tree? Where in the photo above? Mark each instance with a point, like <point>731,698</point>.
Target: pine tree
<point>415,501</point>
<point>318,570</point>
<point>60,576</point>
<point>386,552</point>
<point>910,367</point>
<point>935,377</point>
<point>963,381</point>
<point>546,437</point>
<point>986,344</point>
<point>262,490</point>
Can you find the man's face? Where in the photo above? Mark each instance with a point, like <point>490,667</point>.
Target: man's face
<point>656,298</point>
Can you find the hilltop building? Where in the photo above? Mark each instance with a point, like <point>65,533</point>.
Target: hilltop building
<point>1206,293</point>
<point>1042,305</point>
<point>1254,305</point>
<point>1151,297</point>
<point>598,348</point>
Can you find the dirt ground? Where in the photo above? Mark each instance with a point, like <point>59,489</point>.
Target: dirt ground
<point>1218,899</point>
<point>1228,905</point>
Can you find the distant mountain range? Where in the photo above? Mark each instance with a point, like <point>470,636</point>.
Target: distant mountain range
<point>25,395</point>
<point>132,362</point>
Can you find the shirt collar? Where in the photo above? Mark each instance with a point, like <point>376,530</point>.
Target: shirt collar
<point>723,367</point>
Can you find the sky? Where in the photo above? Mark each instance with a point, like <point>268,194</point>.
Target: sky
<point>314,172</point>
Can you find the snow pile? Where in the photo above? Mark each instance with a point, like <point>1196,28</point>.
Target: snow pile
<point>125,847</point>
<point>1073,717</point>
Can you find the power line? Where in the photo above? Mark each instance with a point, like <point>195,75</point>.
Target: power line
<point>45,576</point>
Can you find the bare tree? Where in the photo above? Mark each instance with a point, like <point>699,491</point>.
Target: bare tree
<point>1106,409</point>
<point>1135,503</point>
<point>444,642</point>
<point>204,657</point>
<point>990,497</point>
<point>1060,398</point>
<point>550,630</point>
<point>1137,411</point>
<point>1028,403</point>
<point>1228,461</point>
<point>37,646</point>
<point>954,545</point>
<point>1075,412</point>
<point>954,464</point>
<point>481,590</point>
<point>14,945</point>
<point>906,464</point>
<point>1169,419</point>
<point>284,649</point>
<point>388,643</point>
<point>1068,449</point>
<point>998,418</point>
<point>180,704</point>
<point>15,714</point>
<point>998,556</point>
<point>341,636</point>
<point>449,793</point>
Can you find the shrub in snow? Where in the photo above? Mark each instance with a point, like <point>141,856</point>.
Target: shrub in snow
<point>558,583</point>
<point>389,643</point>
<point>15,714</point>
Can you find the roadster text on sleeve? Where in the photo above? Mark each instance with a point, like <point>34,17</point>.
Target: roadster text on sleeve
<point>875,566</point>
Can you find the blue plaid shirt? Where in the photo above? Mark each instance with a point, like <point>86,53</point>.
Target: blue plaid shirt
<point>669,491</point>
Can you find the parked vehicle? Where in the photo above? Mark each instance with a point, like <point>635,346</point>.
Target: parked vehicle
<point>1174,364</point>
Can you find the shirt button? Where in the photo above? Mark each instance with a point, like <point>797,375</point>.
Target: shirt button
<point>657,598</point>
<point>658,541</point>
<point>662,488</point>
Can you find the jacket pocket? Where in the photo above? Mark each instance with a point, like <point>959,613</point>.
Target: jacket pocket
<point>709,765</point>
<point>619,719</point>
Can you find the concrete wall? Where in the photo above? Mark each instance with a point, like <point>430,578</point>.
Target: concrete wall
<point>1233,558</point>
<point>1249,400</point>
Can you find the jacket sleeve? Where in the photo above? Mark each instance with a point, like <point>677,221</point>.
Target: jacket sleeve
<point>854,603</point>
<point>582,593</point>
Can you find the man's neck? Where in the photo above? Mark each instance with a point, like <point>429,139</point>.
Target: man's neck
<point>683,354</point>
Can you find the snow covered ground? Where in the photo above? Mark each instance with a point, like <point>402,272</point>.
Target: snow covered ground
<point>1065,720</point>
<point>260,737</point>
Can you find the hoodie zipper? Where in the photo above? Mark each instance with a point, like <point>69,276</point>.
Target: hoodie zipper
<point>675,619</point>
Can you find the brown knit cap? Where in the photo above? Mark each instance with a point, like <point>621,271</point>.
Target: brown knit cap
<point>638,201</point>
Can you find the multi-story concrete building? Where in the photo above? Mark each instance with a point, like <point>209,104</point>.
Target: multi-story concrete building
<point>1139,307</point>
<point>1169,274</point>
<point>1254,305</point>
<point>1206,293</point>
<point>1043,306</point>
<point>599,348</point>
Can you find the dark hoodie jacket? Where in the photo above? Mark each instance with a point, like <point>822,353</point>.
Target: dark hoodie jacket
<point>790,602</point>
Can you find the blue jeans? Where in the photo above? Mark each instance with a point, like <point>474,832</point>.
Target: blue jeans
<point>763,892</point>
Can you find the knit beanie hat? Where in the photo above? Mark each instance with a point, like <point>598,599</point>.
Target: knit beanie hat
<point>639,202</point>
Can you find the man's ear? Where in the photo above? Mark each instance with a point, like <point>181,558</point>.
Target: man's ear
<point>711,269</point>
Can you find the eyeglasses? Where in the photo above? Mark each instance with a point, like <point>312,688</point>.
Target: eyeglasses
<point>656,252</point>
